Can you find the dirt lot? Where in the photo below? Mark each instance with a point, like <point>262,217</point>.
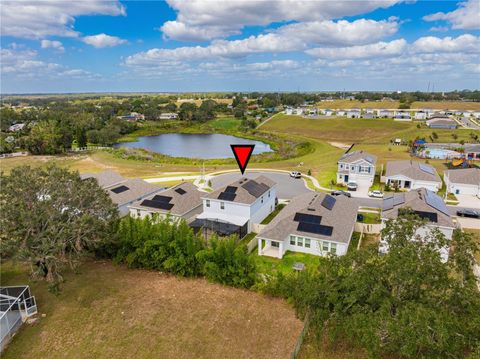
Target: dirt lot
<point>108,311</point>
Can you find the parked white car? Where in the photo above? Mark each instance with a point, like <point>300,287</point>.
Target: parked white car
<point>352,186</point>
<point>295,174</point>
<point>376,194</point>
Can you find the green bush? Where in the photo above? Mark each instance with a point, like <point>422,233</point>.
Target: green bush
<point>226,262</point>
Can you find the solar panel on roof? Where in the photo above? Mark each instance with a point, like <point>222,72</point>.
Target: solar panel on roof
<point>254,188</point>
<point>180,191</point>
<point>398,198</point>
<point>119,189</point>
<point>231,189</point>
<point>156,204</point>
<point>315,228</point>
<point>432,217</point>
<point>227,196</point>
<point>436,202</point>
<point>307,218</point>
<point>159,198</point>
<point>387,203</point>
<point>427,168</point>
<point>328,202</point>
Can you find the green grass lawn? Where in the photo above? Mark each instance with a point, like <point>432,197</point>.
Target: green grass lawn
<point>270,265</point>
<point>225,123</point>
<point>370,218</point>
<point>272,215</point>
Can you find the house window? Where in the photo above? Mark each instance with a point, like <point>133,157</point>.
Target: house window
<point>334,248</point>
<point>325,246</point>
<point>222,205</point>
<point>307,243</point>
<point>138,213</point>
<point>269,194</point>
<point>300,241</point>
<point>292,240</point>
<point>275,244</point>
<point>262,199</point>
<point>207,203</point>
<point>341,166</point>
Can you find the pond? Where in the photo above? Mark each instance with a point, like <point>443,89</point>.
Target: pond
<point>204,146</point>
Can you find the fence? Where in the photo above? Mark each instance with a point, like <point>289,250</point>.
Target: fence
<point>16,305</point>
<point>298,344</point>
<point>252,244</point>
<point>368,228</point>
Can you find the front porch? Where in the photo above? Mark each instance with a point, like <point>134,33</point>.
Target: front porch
<point>269,248</point>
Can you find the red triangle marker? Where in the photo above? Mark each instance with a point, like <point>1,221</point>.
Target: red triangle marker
<point>242,155</point>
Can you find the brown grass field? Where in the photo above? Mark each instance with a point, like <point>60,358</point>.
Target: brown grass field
<point>109,311</point>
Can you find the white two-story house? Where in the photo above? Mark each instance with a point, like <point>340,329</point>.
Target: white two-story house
<point>425,204</point>
<point>235,208</point>
<point>357,166</point>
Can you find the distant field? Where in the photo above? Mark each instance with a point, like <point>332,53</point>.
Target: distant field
<point>198,102</point>
<point>440,105</point>
<point>225,123</point>
<point>109,311</point>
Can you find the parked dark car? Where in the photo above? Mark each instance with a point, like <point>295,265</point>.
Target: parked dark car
<point>339,192</point>
<point>470,213</point>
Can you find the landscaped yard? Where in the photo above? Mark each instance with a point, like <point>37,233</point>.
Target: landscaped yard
<point>270,265</point>
<point>110,311</point>
<point>272,215</point>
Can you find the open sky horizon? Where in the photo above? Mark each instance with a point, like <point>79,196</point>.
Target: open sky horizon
<point>241,45</point>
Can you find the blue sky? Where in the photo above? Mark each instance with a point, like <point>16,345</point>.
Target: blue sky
<point>239,45</point>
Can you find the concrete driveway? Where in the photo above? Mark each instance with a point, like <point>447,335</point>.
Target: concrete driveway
<point>287,187</point>
<point>468,201</point>
<point>362,189</point>
<point>470,223</point>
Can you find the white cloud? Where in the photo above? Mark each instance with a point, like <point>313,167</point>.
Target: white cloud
<point>25,64</point>
<point>380,49</point>
<point>466,17</point>
<point>463,43</point>
<point>52,44</point>
<point>439,29</point>
<point>103,40</point>
<point>39,19</point>
<point>340,33</point>
<point>205,20</point>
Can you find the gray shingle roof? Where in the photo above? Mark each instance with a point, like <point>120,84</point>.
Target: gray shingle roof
<point>358,155</point>
<point>137,188</point>
<point>464,176</point>
<point>247,191</point>
<point>418,200</point>
<point>342,218</point>
<point>105,178</point>
<point>182,203</point>
<point>413,170</point>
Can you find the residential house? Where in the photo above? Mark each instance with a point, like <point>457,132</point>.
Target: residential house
<point>236,208</point>
<point>402,116</point>
<point>327,112</point>
<point>409,174</point>
<point>385,113</point>
<point>463,181</point>
<point>168,116</point>
<point>442,123</point>
<point>420,115</point>
<point>354,113</point>
<point>123,192</point>
<point>133,117</point>
<point>425,204</point>
<point>289,111</point>
<point>341,113</point>
<point>314,223</point>
<point>357,166</point>
<point>182,201</point>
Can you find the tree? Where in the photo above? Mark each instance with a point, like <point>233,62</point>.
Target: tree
<point>51,218</point>
<point>406,302</point>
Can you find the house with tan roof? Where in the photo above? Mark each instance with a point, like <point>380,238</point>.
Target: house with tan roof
<point>314,223</point>
<point>123,192</point>
<point>182,201</point>
<point>235,208</point>
<point>357,166</point>
<point>409,175</point>
<point>463,181</point>
<point>425,204</point>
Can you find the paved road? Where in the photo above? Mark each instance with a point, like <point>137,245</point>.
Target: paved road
<point>287,187</point>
